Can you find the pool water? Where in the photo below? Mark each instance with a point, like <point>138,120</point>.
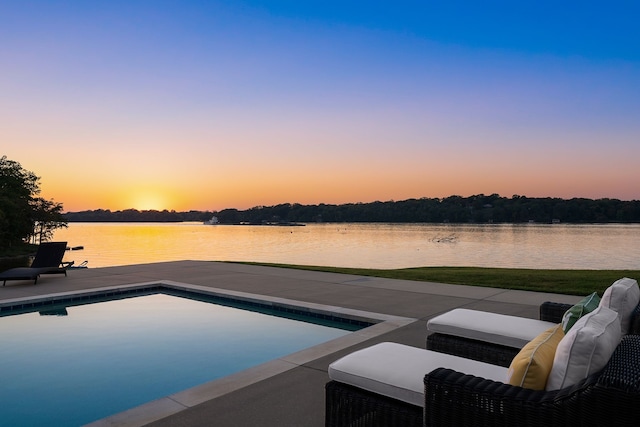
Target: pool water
<point>72,365</point>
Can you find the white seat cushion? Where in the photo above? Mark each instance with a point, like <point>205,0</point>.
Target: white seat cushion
<point>511,331</point>
<point>397,371</point>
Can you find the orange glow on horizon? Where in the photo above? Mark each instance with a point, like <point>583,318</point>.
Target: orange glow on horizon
<point>148,201</point>
<point>213,182</point>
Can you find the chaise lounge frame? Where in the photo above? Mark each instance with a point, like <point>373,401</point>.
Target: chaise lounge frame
<point>609,397</point>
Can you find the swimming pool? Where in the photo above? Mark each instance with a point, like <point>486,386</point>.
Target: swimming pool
<point>75,358</point>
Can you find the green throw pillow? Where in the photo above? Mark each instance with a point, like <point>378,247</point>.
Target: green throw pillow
<point>585,306</point>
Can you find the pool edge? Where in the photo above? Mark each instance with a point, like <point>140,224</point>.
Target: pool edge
<point>169,405</point>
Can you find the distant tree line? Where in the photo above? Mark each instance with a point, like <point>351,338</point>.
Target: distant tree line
<point>454,209</point>
<point>134,215</point>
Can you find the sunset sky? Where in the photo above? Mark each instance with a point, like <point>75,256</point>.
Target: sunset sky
<point>210,105</point>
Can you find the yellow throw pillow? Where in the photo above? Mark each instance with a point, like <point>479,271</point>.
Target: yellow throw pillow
<point>531,367</point>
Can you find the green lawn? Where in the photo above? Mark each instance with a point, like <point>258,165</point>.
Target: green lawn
<point>573,282</point>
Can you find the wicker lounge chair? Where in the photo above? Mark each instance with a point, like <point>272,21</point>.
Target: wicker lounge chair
<point>453,398</point>
<point>389,375</point>
<point>500,350</point>
<point>591,376</point>
<point>609,397</point>
<point>48,260</point>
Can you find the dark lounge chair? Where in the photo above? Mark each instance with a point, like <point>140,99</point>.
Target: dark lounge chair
<point>48,260</point>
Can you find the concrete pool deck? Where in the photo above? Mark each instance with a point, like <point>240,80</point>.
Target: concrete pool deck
<point>287,392</point>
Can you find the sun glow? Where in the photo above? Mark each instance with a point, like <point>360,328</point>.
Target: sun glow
<point>144,200</point>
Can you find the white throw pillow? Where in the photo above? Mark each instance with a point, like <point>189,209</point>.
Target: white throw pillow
<point>622,297</point>
<point>585,349</point>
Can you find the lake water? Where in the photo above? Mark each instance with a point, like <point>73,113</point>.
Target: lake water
<point>386,246</point>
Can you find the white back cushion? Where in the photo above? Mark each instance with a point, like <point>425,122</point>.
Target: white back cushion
<point>622,297</point>
<point>585,349</point>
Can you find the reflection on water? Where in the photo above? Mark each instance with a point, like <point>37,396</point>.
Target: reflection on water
<point>361,245</point>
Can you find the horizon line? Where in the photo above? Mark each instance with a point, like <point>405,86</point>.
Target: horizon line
<point>353,203</point>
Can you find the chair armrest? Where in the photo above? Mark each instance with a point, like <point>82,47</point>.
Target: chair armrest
<point>455,399</point>
<point>553,311</point>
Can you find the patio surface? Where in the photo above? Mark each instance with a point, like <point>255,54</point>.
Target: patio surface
<point>285,396</point>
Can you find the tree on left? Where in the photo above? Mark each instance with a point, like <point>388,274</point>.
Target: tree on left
<point>24,216</point>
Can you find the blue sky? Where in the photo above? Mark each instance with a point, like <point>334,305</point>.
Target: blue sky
<point>208,105</point>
